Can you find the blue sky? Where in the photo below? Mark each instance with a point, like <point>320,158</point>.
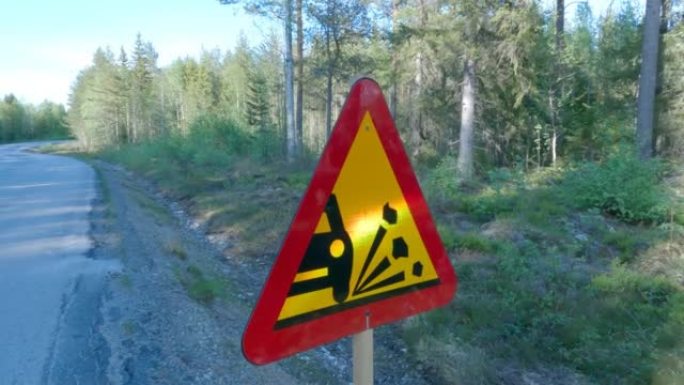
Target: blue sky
<point>44,44</point>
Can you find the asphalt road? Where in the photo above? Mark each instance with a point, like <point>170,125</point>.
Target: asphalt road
<point>49,286</point>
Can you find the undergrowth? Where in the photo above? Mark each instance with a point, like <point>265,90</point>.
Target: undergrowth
<point>558,290</point>
<point>199,286</point>
<point>621,186</point>
<point>555,290</point>
<point>234,180</point>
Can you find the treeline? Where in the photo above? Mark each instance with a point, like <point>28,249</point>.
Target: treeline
<point>119,100</point>
<point>19,121</point>
<point>532,88</point>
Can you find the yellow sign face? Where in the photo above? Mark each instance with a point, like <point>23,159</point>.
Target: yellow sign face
<point>366,246</point>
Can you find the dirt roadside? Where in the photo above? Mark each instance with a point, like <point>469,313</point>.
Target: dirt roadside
<point>162,328</point>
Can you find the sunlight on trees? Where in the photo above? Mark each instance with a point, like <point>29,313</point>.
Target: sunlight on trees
<point>542,93</point>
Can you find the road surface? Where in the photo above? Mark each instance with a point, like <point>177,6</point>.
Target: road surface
<point>49,287</point>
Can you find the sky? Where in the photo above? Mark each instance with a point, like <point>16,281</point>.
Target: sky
<point>44,44</point>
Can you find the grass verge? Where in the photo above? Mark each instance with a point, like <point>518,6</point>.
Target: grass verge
<point>566,281</point>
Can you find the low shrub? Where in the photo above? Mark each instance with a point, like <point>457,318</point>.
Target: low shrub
<point>622,186</point>
<point>476,242</point>
<point>532,308</point>
<point>487,205</point>
<point>628,324</point>
<point>625,242</point>
<point>201,288</point>
<point>442,181</point>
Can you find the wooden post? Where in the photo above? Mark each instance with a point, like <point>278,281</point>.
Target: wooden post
<point>362,351</point>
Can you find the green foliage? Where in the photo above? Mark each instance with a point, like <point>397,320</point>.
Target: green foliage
<point>117,101</point>
<point>453,240</point>
<point>509,193</point>
<point>213,143</point>
<point>468,365</point>
<point>210,132</point>
<point>442,181</point>
<point>486,205</point>
<point>258,105</point>
<point>622,186</point>
<point>449,237</point>
<point>670,102</point>
<point>631,288</point>
<point>102,109</point>
<point>201,288</point>
<point>27,122</point>
<point>678,215</point>
<point>625,242</point>
<point>639,313</point>
<point>533,305</point>
<point>530,306</point>
<point>476,242</point>
<point>602,62</point>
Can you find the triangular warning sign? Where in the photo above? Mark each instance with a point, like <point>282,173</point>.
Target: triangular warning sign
<point>362,249</point>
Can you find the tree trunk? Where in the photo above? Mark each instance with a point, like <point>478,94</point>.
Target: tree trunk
<point>665,24</point>
<point>299,104</point>
<point>416,110</point>
<point>647,80</point>
<point>416,113</point>
<point>666,13</point>
<point>328,104</point>
<point>290,133</point>
<point>553,106</point>
<point>394,59</point>
<point>465,148</point>
<point>557,91</point>
<point>329,82</point>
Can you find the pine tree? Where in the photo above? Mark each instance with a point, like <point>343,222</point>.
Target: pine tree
<point>258,106</point>
<point>142,101</point>
<point>647,80</point>
<point>338,23</point>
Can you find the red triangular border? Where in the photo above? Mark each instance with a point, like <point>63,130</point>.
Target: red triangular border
<point>262,343</point>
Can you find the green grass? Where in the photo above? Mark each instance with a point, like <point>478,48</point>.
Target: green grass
<point>215,173</point>
<point>205,290</point>
<point>622,186</point>
<point>467,241</point>
<point>199,286</point>
<point>627,243</point>
<point>530,309</point>
<point>580,275</point>
<point>580,281</point>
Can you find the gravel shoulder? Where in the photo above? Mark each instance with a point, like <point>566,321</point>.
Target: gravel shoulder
<point>158,326</point>
<point>157,333</point>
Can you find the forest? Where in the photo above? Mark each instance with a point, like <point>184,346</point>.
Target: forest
<point>19,121</point>
<point>549,146</point>
<point>544,90</point>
